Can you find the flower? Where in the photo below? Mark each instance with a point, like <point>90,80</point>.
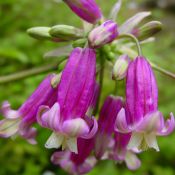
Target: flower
<point>19,122</point>
<point>120,152</point>
<point>141,115</point>
<point>86,9</point>
<point>108,114</point>
<point>80,163</point>
<point>103,34</point>
<point>67,117</point>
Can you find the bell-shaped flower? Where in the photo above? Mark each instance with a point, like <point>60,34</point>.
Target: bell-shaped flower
<point>20,121</point>
<point>103,34</point>
<point>86,9</point>
<point>120,153</point>
<point>67,117</point>
<point>80,163</point>
<point>108,114</point>
<point>141,115</point>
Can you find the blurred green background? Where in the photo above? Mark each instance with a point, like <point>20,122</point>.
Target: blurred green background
<point>19,52</point>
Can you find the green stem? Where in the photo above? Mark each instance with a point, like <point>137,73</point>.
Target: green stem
<point>127,35</point>
<point>101,76</point>
<point>163,71</point>
<point>30,72</point>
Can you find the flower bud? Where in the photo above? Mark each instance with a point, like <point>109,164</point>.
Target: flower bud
<point>65,32</point>
<point>120,67</point>
<point>103,34</point>
<point>86,9</point>
<point>41,33</point>
<point>149,29</point>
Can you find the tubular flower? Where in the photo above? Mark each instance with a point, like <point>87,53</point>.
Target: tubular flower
<point>67,117</point>
<point>86,9</point>
<point>80,163</point>
<point>120,152</point>
<point>103,34</point>
<point>20,121</point>
<point>141,116</point>
<point>108,114</point>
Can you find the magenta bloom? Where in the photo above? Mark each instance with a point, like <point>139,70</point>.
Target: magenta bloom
<point>103,34</point>
<point>121,153</point>
<point>108,114</point>
<point>86,9</point>
<point>20,121</point>
<point>80,163</point>
<point>141,116</point>
<point>67,117</point>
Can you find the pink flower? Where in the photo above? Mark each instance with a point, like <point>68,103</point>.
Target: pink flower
<point>141,116</point>
<point>20,121</point>
<point>67,117</point>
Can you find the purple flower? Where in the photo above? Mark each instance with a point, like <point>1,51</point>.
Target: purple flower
<point>120,152</point>
<point>67,117</point>
<point>108,114</point>
<point>20,121</point>
<point>86,9</point>
<point>80,163</point>
<point>103,34</point>
<point>141,116</point>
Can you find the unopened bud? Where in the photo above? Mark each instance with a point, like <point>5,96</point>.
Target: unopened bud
<point>120,67</point>
<point>55,80</point>
<point>65,32</point>
<point>41,33</point>
<point>103,34</point>
<point>79,43</point>
<point>149,29</point>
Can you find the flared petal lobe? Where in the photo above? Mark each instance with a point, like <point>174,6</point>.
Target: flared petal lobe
<point>86,9</point>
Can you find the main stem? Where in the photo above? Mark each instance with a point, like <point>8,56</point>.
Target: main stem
<point>127,35</point>
<point>30,72</point>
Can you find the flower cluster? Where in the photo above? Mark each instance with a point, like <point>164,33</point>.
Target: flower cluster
<point>68,104</point>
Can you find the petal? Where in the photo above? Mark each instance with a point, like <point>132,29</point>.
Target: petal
<point>151,141</point>
<point>87,166</point>
<point>93,130</point>
<point>132,22</point>
<point>132,161</point>
<point>75,127</point>
<point>168,126</point>
<point>150,123</point>
<point>28,133</point>
<point>135,140</point>
<point>115,10</point>
<point>72,144</point>
<point>54,141</point>
<point>9,127</point>
<point>8,112</point>
<point>121,122</point>
<point>49,117</point>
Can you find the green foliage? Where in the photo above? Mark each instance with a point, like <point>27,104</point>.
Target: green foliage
<point>18,52</point>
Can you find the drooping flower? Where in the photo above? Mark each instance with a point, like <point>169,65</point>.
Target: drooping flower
<point>141,115</point>
<point>86,9</point>
<point>103,34</point>
<point>120,153</point>
<point>20,121</point>
<point>108,114</point>
<point>80,163</point>
<point>67,117</point>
